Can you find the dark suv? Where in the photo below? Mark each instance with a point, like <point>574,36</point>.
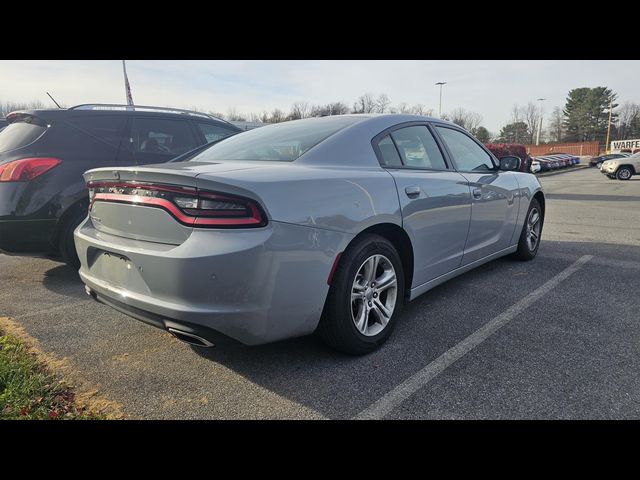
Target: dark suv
<point>43,154</point>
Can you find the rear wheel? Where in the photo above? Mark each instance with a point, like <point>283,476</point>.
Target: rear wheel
<point>624,173</point>
<point>366,294</point>
<point>67,245</point>
<point>531,231</point>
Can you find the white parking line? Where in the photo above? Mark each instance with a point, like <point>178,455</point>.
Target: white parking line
<point>52,309</point>
<point>395,397</point>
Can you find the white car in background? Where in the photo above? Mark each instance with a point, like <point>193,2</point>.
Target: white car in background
<point>535,166</point>
<point>622,168</point>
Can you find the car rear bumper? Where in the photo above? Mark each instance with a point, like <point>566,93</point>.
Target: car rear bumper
<point>26,237</point>
<point>253,285</point>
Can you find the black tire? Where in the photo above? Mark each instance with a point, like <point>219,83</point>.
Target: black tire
<point>599,165</point>
<point>336,327</point>
<point>524,252</point>
<point>624,173</point>
<point>66,243</point>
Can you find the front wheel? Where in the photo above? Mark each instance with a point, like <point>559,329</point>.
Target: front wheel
<point>366,294</point>
<point>599,165</point>
<point>531,231</point>
<point>624,173</point>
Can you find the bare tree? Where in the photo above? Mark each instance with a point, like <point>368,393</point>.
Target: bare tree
<point>264,117</point>
<point>465,118</point>
<point>8,107</point>
<point>556,131</point>
<point>420,109</point>
<point>628,120</point>
<point>255,117</point>
<point>382,103</point>
<point>338,108</point>
<point>365,104</point>
<point>299,110</point>
<point>531,115</point>
<point>234,116</point>
<point>277,116</point>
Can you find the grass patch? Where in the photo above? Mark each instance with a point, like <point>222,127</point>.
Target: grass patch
<point>28,390</point>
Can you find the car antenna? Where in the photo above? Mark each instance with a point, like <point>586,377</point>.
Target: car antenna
<point>54,100</point>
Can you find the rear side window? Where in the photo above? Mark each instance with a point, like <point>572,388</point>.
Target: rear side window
<point>107,128</point>
<point>162,136</point>
<point>19,134</point>
<point>418,148</point>
<point>213,132</point>
<point>390,157</point>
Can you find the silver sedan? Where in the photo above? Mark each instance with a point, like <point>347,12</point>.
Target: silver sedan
<point>323,225</point>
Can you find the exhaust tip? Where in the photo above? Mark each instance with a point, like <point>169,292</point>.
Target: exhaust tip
<point>190,338</point>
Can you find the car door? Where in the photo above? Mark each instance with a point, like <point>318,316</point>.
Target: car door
<point>157,140</point>
<point>494,193</point>
<point>435,200</point>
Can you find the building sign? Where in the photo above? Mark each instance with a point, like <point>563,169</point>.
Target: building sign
<point>625,145</point>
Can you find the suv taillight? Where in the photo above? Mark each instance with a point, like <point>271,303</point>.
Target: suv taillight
<point>26,169</point>
<point>190,206</point>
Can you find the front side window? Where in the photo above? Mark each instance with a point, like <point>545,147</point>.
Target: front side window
<point>467,154</point>
<point>284,142</point>
<point>418,148</point>
<point>162,136</point>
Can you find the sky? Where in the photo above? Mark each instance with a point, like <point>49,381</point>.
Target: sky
<point>490,88</point>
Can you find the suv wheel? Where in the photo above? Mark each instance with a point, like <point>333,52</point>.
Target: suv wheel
<point>66,244</point>
<point>365,297</point>
<point>624,173</point>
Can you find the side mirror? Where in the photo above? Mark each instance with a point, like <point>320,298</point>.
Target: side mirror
<point>510,163</point>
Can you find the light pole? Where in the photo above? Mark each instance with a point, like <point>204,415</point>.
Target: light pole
<point>606,147</point>
<point>539,123</point>
<point>440,107</point>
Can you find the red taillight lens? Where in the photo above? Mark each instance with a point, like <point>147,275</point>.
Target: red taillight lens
<point>26,169</point>
<point>188,205</point>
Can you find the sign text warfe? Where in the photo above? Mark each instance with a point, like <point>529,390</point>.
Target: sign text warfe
<point>624,144</point>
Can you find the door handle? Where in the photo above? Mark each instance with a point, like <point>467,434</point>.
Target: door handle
<point>412,192</point>
<point>477,193</point>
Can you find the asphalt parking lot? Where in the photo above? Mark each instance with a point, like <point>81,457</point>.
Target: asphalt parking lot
<point>556,338</point>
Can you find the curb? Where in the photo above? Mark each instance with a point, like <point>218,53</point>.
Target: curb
<point>570,169</point>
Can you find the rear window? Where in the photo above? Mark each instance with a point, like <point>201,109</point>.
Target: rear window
<point>19,134</point>
<point>283,142</point>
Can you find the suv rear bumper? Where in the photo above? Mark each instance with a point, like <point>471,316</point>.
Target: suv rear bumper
<point>26,237</point>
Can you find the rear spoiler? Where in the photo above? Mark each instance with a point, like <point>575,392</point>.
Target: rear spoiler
<point>25,116</point>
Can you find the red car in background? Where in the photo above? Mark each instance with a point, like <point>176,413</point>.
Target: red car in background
<point>504,149</point>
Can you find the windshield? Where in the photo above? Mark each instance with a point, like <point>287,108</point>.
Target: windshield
<point>283,142</point>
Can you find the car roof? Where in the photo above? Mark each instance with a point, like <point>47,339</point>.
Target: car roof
<point>115,109</point>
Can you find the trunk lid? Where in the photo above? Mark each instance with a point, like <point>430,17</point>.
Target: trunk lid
<point>156,219</point>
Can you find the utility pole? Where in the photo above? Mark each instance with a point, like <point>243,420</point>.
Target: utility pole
<point>440,107</point>
<point>606,147</point>
<point>539,123</point>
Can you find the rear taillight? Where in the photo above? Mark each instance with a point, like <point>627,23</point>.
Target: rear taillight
<point>26,169</point>
<point>190,206</point>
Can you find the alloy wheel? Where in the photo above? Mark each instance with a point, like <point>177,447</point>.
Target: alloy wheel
<point>533,229</point>
<point>373,295</point>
